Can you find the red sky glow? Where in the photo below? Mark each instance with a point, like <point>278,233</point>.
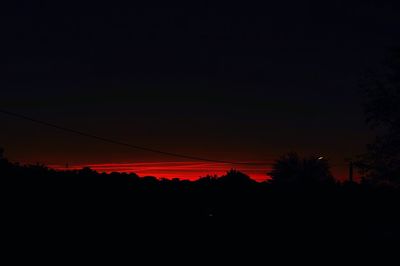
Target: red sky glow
<point>182,170</point>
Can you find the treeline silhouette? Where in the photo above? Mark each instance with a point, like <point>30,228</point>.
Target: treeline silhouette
<point>232,209</point>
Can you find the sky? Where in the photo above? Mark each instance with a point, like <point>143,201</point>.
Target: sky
<point>223,80</point>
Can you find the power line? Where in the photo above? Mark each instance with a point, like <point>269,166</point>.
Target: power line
<point>108,140</point>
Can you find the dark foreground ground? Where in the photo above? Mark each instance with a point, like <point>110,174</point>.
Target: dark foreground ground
<point>59,217</point>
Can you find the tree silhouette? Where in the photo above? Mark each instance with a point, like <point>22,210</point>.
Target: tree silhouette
<point>235,177</point>
<point>232,206</point>
<point>291,170</point>
<point>381,162</point>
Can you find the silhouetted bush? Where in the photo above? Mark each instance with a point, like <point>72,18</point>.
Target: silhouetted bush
<point>293,171</point>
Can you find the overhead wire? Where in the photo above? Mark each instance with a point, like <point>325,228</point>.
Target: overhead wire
<point>120,143</point>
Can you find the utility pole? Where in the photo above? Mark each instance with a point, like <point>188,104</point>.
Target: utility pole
<point>351,171</point>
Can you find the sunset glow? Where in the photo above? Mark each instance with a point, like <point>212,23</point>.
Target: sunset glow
<point>182,170</point>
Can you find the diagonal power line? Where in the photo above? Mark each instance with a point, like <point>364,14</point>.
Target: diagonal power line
<point>120,143</point>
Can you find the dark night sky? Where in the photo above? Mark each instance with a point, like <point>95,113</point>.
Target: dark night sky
<point>228,80</point>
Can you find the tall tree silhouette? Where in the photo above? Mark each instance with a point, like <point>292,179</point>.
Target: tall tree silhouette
<point>381,162</point>
<point>236,177</point>
<point>291,170</point>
